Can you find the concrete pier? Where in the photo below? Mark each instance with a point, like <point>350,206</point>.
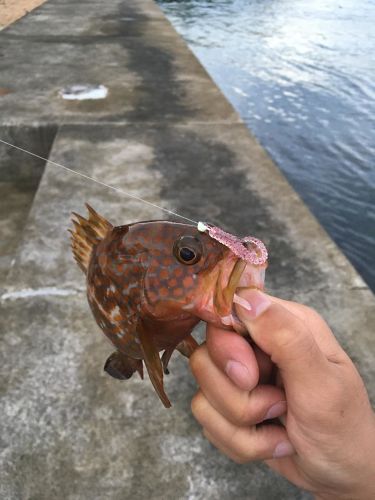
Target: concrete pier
<point>166,133</point>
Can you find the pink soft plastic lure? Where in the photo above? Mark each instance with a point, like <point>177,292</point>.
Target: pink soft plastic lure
<point>257,255</point>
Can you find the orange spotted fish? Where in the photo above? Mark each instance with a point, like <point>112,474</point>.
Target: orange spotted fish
<point>150,283</point>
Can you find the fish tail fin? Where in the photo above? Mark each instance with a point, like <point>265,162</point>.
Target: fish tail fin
<point>86,234</point>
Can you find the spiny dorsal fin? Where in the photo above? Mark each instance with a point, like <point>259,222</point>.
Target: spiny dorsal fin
<point>86,234</point>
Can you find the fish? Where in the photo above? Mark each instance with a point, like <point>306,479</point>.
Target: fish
<point>149,283</point>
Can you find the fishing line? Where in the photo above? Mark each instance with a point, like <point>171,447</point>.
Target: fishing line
<point>114,188</point>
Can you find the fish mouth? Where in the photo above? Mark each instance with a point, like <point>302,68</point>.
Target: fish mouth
<point>241,275</point>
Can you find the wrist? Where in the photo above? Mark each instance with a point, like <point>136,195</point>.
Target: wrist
<point>355,495</point>
<point>363,486</point>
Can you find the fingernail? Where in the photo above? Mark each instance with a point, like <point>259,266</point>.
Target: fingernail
<point>276,410</point>
<point>242,302</point>
<point>257,301</point>
<point>283,449</point>
<point>239,374</point>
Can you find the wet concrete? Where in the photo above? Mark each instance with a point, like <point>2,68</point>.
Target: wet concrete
<point>166,134</point>
<point>19,179</point>
<point>136,54</point>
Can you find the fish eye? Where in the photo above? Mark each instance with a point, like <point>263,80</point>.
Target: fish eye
<point>188,250</point>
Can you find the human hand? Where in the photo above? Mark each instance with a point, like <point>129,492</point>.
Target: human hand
<point>297,371</point>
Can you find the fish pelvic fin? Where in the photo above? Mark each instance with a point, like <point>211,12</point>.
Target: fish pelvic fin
<point>153,365</point>
<point>86,234</point>
<point>187,346</point>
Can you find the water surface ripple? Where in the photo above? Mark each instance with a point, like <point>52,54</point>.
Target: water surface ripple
<point>302,76</point>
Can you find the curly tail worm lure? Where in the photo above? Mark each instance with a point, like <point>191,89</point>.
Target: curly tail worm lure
<point>249,249</point>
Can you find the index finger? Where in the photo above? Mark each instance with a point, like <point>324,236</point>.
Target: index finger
<point>233,355</point>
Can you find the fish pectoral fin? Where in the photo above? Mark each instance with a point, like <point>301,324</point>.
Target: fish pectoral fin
<point>187,346</point>
<point>122,367</point>
<point>165,359</point>
<point>154,365</point>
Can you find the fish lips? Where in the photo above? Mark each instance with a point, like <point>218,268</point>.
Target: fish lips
<point>242,275</point>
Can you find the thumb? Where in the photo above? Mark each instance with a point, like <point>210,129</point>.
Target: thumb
<point>285,337</point>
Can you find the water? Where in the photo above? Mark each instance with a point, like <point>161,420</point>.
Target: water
<point>301,74</point>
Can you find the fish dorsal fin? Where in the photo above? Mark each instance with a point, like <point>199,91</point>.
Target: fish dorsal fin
<point>86,234</point>
<point>98,222</point>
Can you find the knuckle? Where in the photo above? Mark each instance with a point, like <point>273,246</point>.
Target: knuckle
<point>297,339</point>
<point>198,405</point>
<point>314,317</point>
<point>247,454</point>
<point>240,444</point>
<point>309,311</point>
<point>240,460</point>
<point>197,359</point>
<point>232,440</point>
<point>243,415</point>
<point>251,408</point>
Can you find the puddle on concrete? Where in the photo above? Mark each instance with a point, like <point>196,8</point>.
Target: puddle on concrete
<point>20,175</point>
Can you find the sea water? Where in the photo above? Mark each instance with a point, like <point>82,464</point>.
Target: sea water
<point>301,74</point>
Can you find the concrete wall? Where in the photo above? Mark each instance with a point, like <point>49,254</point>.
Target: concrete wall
<point>166,133</point>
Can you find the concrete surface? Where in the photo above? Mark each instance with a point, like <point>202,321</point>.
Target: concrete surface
<point>165,133</point>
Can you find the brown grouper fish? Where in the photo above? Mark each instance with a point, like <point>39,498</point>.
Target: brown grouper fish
<point>150,283</point>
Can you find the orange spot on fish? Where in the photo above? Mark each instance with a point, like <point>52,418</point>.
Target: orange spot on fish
<point>178,272</point>
<point>153,296</point>
<point>188,282</point>
<point>163,274</point>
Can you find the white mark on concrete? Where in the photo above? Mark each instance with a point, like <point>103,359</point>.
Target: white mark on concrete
<point>26,293</point>
<point>80,92</point>
<point>178,449</point>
